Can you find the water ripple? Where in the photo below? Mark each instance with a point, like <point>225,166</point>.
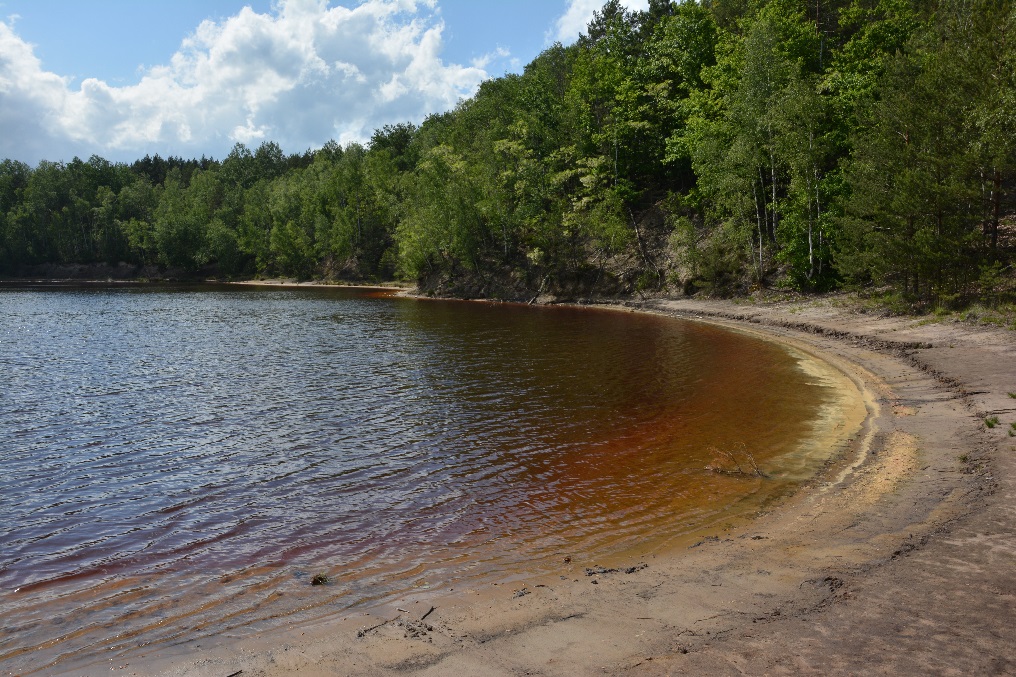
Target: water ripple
<point>178,463</point>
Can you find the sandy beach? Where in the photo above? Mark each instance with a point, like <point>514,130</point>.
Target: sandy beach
<point>897,558</point>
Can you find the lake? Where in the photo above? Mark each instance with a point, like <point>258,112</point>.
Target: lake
<point>182,462</point>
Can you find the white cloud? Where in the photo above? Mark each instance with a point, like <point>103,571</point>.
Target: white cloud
<point>485,60</point>
<point>580,12</point>
<point>30,99</point>
<point>300,75</point>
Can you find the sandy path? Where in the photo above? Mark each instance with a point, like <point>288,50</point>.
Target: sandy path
<point>898,558</point>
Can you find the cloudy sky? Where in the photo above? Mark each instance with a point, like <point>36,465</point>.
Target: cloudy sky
<point>125,78</point>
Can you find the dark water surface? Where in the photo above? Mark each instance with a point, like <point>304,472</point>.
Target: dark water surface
<point>179,463</point>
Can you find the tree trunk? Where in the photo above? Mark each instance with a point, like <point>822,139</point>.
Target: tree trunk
<point>772,171</point>
<point>759,218</point>
<point>996,207</point>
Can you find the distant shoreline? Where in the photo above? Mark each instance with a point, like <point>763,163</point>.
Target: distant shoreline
<point>195,281</point>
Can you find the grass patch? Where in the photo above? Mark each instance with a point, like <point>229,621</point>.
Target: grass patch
<point>991,421</point>
<point>1001,315</point>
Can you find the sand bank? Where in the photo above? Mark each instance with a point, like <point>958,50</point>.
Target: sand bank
<point>898,557</point>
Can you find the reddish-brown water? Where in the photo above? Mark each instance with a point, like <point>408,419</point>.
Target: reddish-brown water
<point>181,463</point>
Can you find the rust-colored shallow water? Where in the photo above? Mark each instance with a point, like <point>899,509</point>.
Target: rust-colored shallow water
<point>181,463</point>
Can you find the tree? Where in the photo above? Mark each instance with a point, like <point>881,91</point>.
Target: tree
<point>136,205</point>
<point>14,178</point>
<point>181,218</point>
<point>913,200</point>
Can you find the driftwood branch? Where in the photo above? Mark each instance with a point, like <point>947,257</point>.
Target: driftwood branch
<point>726,462</point>
<point>363,631</point>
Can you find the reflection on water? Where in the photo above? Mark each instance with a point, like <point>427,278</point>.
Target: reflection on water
<point>182,462</point>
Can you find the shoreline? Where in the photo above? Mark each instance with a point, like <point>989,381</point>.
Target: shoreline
<point>895,557</point>
<point>16,283</point>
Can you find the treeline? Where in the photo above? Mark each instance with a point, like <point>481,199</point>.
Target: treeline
<point>719,145</point>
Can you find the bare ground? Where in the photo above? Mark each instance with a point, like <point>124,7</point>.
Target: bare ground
<point>899,558</point>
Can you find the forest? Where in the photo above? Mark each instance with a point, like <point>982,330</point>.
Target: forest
<point>720,146</point>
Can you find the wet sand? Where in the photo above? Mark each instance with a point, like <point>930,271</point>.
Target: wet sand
<point>897,558</point>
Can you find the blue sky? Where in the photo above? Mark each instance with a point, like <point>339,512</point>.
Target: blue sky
<point>122,78</point>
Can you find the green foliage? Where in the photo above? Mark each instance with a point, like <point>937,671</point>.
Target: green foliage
<point>716,146</point>
<point>929,172</point>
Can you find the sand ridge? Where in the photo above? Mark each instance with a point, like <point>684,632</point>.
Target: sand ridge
<point>897,557</point>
